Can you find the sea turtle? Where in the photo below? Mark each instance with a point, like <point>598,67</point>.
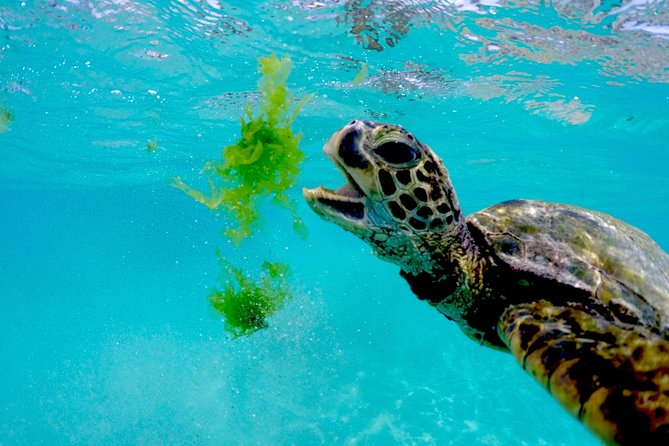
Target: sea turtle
<point>580,298</point>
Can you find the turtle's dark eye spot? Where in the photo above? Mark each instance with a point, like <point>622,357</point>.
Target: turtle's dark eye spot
<point>410,136</point>
<point>408,202</point>
<point>443,208</point>
<point>397,210</point>
<point>420,193</point>
<point>403,176</point>
<point>395,152</point>
<point>387,183</point>
<point>429,167</point>
<point>417,224</point>
<point>424,212</point>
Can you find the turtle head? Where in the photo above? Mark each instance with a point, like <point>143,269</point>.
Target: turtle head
<point>397,197</point>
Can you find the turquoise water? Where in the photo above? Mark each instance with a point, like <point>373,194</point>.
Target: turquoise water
<point>106,335</point>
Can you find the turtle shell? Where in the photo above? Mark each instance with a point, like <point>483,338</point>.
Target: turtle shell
<point>619,265</point>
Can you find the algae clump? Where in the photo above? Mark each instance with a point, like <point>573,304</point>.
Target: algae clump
<point>264,162</point>
<point>6,118</point>
<point>245,303</point>
<point>152,146</point>
<point>361,76</point>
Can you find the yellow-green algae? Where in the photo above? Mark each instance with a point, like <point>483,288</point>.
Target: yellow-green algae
<point>246,303</point>
<point>361,76</point>
<point>264,162</point>
<point>152,146</point>
<point>6,118</point>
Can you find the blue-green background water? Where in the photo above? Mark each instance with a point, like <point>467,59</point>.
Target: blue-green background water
<point>106,335</point>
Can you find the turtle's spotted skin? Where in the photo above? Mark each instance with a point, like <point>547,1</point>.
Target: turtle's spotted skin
<point>580,298</point>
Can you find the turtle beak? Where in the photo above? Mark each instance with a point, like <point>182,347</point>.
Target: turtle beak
<point>345,211</point>
<point>346,206</point>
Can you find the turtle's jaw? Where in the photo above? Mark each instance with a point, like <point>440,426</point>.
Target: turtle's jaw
<point>339,207</point>
<point>346,206</point>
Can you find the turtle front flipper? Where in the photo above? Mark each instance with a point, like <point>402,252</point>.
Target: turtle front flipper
<point>615,380</point>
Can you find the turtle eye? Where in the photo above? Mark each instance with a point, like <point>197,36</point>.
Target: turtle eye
<point>395,152</point>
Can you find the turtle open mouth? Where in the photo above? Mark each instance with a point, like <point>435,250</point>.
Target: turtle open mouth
<point>348,201</point>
